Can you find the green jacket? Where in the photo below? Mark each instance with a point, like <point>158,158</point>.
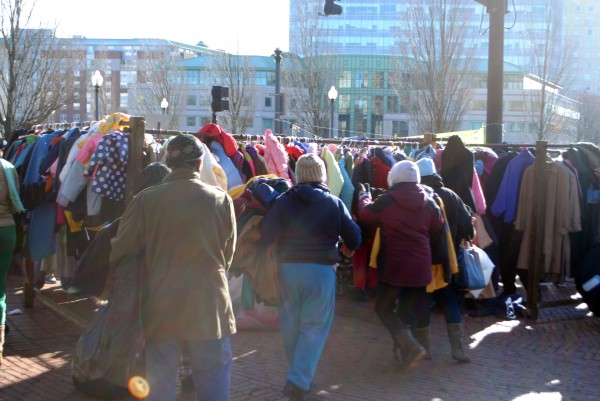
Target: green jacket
<point>185,231</point>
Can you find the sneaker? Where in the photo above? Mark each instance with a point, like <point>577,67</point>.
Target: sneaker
<point>72,290</point>
<point>51,279</point>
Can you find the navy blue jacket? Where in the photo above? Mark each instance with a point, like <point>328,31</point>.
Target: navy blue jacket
<point>307,222</point>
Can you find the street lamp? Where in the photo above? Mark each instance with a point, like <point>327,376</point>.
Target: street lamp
<point>332,94</point>
<point>278,126</point>
<point>163,105</point>
<point>97,81</point>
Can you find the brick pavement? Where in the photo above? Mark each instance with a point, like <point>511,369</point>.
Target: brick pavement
<point>556,357</point>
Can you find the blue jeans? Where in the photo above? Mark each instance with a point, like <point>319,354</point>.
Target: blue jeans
<point>305,316</point>
<point>211,368</point>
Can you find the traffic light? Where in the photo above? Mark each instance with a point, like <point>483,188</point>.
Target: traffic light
<point>331,8</point>
<point>219,101</point>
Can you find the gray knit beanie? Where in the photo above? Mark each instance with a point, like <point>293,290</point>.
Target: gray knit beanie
<point>310,168</point>
<point>183,150</point>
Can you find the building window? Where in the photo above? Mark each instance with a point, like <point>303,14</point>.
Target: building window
<point>190,121</point>
<point>378,81</point>
<point>76,117</point>
<point>392,104</point>
<point>192,77</point>
<point>268,102</point>
<point>477,105</point>
<point>400,128</point>
<point>76,106</point>
<point>345,79</point>
<point>191,100</point>
<point>267,123</point>
<point>475,124</point>
<point>516,105</point>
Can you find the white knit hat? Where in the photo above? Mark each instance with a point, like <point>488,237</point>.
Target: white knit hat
<point>404,171</point>
<point>310,168</point>
<point>426,167</point>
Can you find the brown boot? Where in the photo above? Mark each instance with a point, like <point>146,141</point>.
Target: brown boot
<point>1,342</point>
<point>412,352</point>
<point>422,335</point>
<point>455,336</point>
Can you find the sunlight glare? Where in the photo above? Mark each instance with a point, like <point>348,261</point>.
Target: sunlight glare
<point>499,327</point>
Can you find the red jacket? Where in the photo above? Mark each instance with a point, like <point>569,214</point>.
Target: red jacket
<point>407,216</point>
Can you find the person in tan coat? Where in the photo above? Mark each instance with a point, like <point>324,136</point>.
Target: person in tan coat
<point>185,231</point>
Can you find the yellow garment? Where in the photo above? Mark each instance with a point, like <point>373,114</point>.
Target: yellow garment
<point>74,225</point>
<point>238,191</point>
<point>437,280</point>
<point>77,225</point>
<point>375,249</point>
<point>335,180</point>
<point>112,122</point>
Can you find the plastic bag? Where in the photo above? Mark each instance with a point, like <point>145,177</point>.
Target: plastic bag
<point>487,266</point>
<point>470,273</point>
<point>109,351</point>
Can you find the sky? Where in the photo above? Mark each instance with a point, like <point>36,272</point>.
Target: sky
<point>237,26</point>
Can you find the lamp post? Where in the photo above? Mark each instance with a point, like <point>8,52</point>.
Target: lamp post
<point>332,94</point>
<point>277,56</point>
<point>97,81</point>
<point>163,105</point>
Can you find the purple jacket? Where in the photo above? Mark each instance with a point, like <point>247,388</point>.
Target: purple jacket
<point>407,216</point>
<point>505,204</point>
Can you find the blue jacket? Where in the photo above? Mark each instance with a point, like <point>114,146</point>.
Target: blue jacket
<point>307,222</point>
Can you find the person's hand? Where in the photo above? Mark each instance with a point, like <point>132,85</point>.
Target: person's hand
<point>346,251</point>
<point>363,191</point>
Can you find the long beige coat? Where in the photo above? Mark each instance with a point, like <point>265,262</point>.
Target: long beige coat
<point>185,231</point>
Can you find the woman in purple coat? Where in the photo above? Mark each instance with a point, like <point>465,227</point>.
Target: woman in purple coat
<point>407,216</point>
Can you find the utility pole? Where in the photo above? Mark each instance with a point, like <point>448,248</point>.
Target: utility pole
<point>495,81</point>
<point>278,125</point>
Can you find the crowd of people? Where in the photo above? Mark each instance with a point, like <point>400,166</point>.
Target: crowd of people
<point>183,233</point>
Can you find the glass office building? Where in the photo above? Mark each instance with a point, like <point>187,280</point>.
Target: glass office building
<point>365,39</point>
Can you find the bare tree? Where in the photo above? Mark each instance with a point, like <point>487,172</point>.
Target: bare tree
<point>550,64</point>
<point>238,74</point>
<point>588,124</point>
<point>307,72</point>
<point>432,74</point>
<point>160,76</point>
<point>37,69</point>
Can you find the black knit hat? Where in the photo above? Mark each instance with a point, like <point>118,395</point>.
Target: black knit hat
<point>184,151</point>
<point>153,174</point>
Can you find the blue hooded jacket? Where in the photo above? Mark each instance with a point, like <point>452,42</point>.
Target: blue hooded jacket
<point>307,222</point>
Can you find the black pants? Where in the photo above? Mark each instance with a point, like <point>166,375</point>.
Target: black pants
<point>397,306</point>
<point>508,249</point>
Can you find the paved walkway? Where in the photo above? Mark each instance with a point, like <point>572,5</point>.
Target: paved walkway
<point>554,358</point>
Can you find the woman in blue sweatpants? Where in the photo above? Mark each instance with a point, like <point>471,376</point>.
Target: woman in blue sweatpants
<point>306,223</point>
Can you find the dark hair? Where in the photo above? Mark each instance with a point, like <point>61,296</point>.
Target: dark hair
<point>153,174</point>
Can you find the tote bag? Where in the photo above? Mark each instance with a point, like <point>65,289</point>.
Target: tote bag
<point>470,272</point>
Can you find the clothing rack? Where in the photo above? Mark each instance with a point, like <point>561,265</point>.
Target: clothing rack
<point>137,130</point>
<point>534,302</point>
<point>287,139</point>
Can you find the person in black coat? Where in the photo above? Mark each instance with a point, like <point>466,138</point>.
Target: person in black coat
<point>461,228</point>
